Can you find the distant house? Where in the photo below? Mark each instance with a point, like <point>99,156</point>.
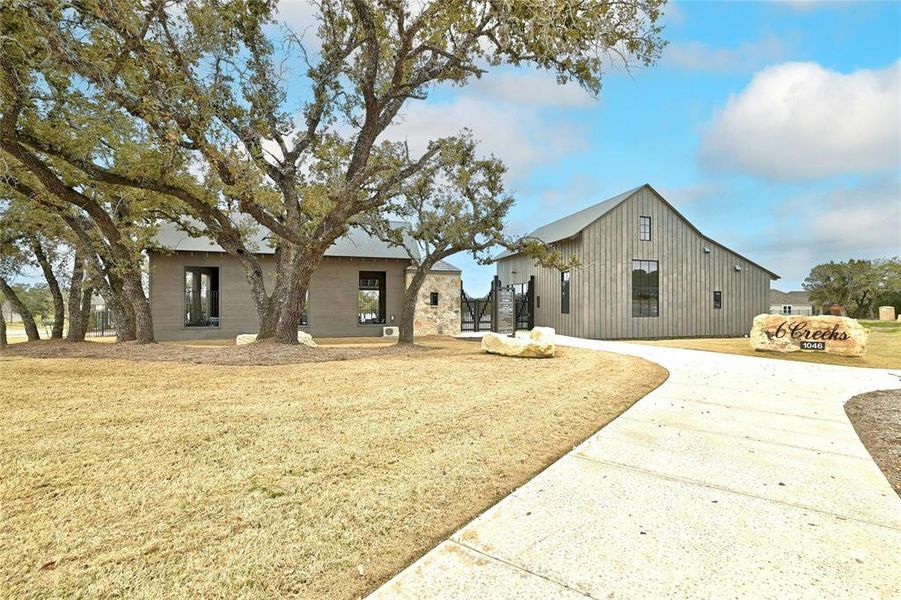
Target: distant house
<point>9,313</point>
<point>198,291</point>
<point>792,303</point>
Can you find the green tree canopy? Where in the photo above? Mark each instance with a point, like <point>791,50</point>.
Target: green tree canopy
<point>855,284</point>
<point>203,84</point>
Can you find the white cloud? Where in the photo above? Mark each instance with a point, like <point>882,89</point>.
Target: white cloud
<point>747,57</point>
<point>862,220</point>
<point>518,134</point>
<point>692,193</point>
<point>301,17</point>
<point>800,121</point>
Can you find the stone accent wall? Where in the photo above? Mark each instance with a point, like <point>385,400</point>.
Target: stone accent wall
<point>443,319</point>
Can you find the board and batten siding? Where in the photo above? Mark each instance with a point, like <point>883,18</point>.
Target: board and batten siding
<point>332,306</point>
<point>601,286</point>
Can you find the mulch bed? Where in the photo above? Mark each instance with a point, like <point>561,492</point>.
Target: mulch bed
<point>876,417</point>
<point>263,353</point>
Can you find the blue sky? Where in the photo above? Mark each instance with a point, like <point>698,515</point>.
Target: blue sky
<point>775,127</point>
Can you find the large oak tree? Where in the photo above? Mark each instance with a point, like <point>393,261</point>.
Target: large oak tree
<point>207,81</point>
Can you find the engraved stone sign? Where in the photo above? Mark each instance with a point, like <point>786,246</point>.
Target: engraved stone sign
<point>835,335</point>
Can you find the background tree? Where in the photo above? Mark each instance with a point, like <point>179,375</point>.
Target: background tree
<point>456,205</point>
<point>855,284</point>
<point>206,80</point>
<point>79,297</point>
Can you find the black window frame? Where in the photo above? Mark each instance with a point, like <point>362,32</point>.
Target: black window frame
<point>305,311</point>
<point>369,281</point>
<point>213,316</point>
<point>646,294</point>
<point>717,299</point>
<point>644,228</point>
<point>565,280</point>
<point>433,298</point>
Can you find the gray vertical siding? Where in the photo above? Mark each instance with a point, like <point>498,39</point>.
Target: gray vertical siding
<point>601,287</point>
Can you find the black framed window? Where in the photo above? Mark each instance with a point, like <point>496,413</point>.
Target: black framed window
<point>645,288</point>
<point>201,296</point>
<point>371,298</point>
<point>433,299</point>
<point>717,299</point>
<point>564,292</point>
<point>644,229</point>
<point>305,311</point>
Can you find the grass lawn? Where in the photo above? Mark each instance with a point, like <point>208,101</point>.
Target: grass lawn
<point>320,479</point>
<point>883,348</point>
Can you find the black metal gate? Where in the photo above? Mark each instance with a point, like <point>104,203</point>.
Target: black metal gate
<point>476,313</point>
<point>100,323</point>
<point>525,304</point>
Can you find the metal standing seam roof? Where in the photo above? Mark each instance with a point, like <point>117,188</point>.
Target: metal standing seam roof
<point>444,266</point>
<point>567,227</point>
<point>356,243</point>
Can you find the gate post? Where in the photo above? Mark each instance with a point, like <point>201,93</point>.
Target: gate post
<point>531,302</point>
<point>492,298</point>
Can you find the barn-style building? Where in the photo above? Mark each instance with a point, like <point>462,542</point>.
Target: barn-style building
<point>644,272</point>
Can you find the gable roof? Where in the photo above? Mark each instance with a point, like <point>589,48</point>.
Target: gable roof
<point>780,297</point>
<point>443,265</point>
<point>356,243</point>
<point>568,227</point>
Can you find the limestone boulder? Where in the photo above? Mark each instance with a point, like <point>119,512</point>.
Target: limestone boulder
<point>545,335</point>
<point>834,335</point>
<point>302,337</point>
<point>886,313</point>
<point>496,343</point>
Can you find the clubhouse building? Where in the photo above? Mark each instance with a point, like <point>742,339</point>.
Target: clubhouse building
<point>199,292</point>
<point>644,271</point>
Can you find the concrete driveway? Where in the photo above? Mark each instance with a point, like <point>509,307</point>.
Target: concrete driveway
<point>738,477</point>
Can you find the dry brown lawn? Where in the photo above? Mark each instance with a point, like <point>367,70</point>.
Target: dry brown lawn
<point>168,479</point>
<point>883,350</point>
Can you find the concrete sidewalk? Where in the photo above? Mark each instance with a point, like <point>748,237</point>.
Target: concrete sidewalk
<point>739,476</point>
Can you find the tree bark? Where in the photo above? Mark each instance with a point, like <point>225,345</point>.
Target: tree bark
<point>31,328</point>
<point>59,307</point>
<point>295,270</point>
<point>77,321</point>
<point>3,341</point>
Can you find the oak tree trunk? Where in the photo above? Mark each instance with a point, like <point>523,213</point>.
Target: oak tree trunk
<point>59,308</point>
<point>122,312</point>
<point>408,309</point>
<point>295,269</point>
<point>265,306</point>
<point>31,328</point>
<point>3,340</point>
<point>87,293</point>
<point>77,320</point>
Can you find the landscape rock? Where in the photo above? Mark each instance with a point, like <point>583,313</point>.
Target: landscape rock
<point>834,335</point>
<point>302,336</point>
<point>543,334</point>
<point>886,313</point>
<point>496,343</point>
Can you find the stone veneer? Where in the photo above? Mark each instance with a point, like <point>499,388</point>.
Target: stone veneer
<point>443,319</point>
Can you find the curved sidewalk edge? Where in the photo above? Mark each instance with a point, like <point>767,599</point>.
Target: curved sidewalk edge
<point>737,476</point>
